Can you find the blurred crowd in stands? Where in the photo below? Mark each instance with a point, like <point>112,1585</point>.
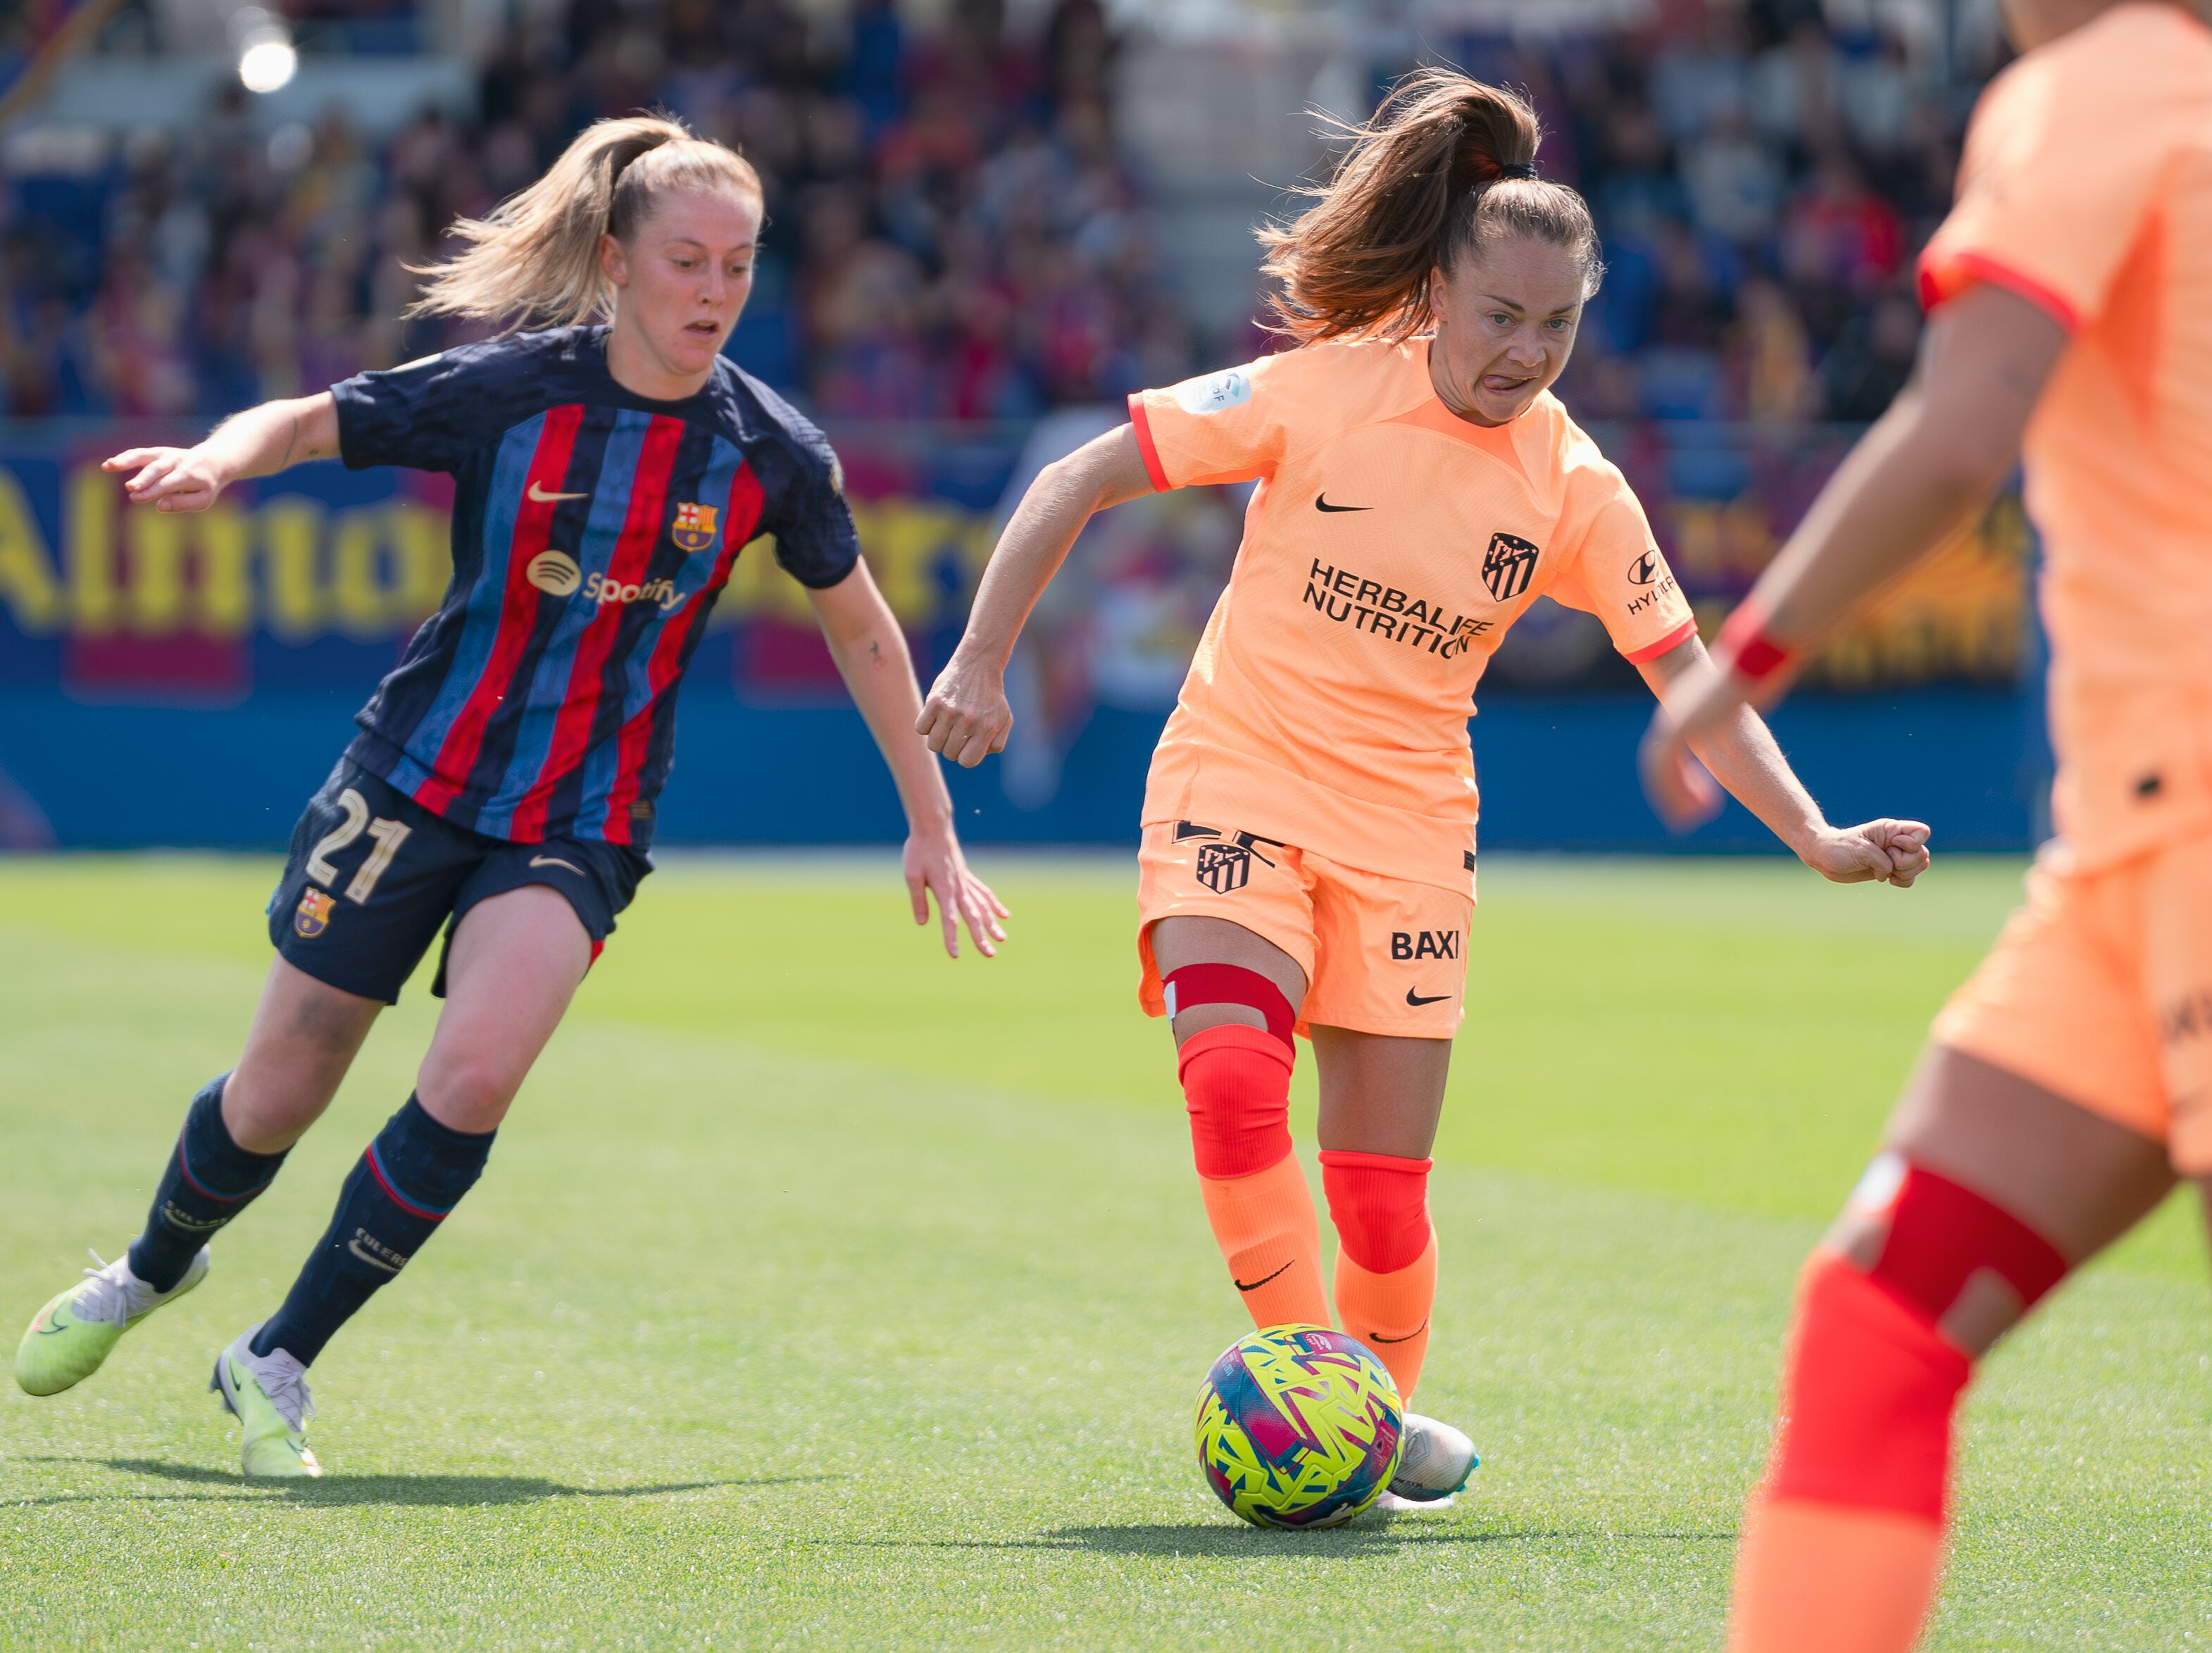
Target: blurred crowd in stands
<point>949,235</point>
<point>953,231</point>
<point>1763,179</point>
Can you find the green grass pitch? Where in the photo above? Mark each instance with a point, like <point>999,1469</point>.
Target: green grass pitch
<point>824,1293</point>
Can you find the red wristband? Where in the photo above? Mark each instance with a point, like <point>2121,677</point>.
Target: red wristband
<point>1747,648</point>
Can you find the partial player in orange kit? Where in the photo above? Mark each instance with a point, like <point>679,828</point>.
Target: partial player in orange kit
<point>2069,1081</point>
<point>1307,853</point>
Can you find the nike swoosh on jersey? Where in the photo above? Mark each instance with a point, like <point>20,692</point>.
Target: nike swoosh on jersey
<point>538,494</point>
<point>1256,1284</point>
<point>1321,503</point>
<point>1417,1001</point>
<point>555,860</point>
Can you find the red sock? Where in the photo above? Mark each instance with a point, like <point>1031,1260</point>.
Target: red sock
<point>1386,1256</point>
<point>1237,1086</point>
<point>1842,1541</point>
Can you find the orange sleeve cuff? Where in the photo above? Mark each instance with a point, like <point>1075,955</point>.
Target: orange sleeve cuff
<point>1945,277</point>
<point>1673,639</point>
<point>1143,424</point>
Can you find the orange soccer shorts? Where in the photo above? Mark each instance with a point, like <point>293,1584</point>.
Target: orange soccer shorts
<point>1380,955</point>
<point>2099,990</point>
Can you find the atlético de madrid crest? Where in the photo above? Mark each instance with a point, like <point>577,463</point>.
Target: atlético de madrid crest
<point>693,528</point>
<point>313,915</point>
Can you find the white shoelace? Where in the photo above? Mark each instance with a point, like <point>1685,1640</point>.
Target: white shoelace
<point>115,1294</point>
<point>284,1381</point>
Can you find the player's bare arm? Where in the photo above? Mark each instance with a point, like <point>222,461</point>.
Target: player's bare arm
<point>1926,466</point>
<point>259,442</point>
<point>1739,750</point>
<point>967,717</point>
<point>870,652</point>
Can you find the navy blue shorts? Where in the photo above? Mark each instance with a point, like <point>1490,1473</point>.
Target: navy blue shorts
<point>372,876</point>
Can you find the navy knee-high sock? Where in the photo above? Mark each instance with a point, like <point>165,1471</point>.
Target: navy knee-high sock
<point>411,1176</point>
<point>209,1180</point>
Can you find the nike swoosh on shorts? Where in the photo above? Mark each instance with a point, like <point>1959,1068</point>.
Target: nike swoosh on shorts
<point>1417,1001</point>
<point>555,860</point>
<point>1321,503</point>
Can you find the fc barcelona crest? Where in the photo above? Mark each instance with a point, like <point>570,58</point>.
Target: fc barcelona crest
<point>693,528</point>
<point>313,915</point>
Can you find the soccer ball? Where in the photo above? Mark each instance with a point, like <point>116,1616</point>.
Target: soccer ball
<point>1299,1426</point>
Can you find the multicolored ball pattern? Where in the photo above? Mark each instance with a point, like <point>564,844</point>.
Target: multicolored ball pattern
<point>1299,1426</point>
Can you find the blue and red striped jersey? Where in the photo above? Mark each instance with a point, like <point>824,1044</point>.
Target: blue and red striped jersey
<point>593,531</point>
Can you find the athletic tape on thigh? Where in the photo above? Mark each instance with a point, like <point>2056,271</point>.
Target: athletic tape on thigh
<point>1942,1233</point>
<point>1230,984</point>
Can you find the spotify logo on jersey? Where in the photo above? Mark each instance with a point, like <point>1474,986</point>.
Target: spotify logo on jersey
<point>553,573</point>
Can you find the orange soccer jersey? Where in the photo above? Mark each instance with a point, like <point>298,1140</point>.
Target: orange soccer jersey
<point>2097,990</point>
<point>1388,548</point>
<point>2086,187</point>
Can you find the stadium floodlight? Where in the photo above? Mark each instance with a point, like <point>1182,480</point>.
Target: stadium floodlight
<point>267,59</point>
<point>267,65</point>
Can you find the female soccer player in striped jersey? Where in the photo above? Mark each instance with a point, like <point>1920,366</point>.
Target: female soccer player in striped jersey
<point>2069,1081</point>
<point>502,783</point>
<point>1308,854</point>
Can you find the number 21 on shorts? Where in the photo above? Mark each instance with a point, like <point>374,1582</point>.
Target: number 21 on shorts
<point>389,836</point>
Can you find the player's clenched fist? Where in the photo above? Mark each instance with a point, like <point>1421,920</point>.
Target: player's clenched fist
<point>966,717</point>
<point>1875,852</point>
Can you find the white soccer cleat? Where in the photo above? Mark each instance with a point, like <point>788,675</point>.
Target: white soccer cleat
<point>1436,1462</point>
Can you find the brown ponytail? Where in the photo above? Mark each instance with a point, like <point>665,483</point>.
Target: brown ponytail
<point>1446,163</point>
<point>536,258</point>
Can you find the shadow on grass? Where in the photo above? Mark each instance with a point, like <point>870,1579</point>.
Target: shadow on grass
<point>1213,1538</point>
<point>335,1492</point>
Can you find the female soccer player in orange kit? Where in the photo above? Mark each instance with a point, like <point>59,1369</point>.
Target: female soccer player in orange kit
<point>2070,1079</point>
<point>1308,857</point>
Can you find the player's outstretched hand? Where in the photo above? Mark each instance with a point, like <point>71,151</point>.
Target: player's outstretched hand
<point>934,864</point>
<point>169,478</point>
<point>1874,852</point>
<point>966,716</point>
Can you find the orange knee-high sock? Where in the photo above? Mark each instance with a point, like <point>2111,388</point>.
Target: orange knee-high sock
<point>1270,1238</point>
<point>1842,1541</point>
<point>1386,1256</point>
<point>1824,1578</point>
<point>1237,1085</point>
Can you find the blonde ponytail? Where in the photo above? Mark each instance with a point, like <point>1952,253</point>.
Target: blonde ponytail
<point>536,258</point>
